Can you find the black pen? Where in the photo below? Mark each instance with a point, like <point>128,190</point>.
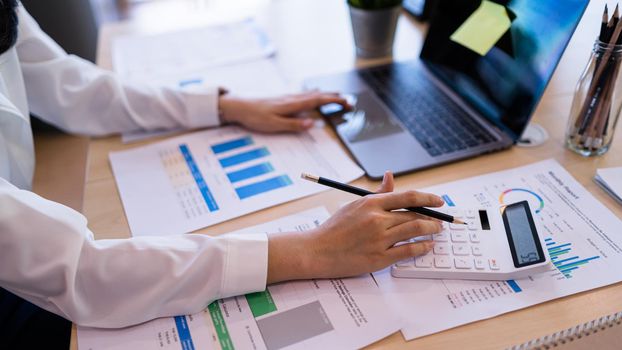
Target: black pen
<point>361,192</point>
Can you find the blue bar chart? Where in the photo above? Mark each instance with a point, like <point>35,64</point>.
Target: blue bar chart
<point>250,172</point>
<point>183,331</point>
<point>198,178</point>
<point>263,186</point>
<point>243,157</point>
<point>563,257</point>
<point>233,144</point>
<point>240,164</point>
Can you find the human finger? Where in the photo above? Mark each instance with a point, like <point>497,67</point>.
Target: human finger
<point>399,217</point>
<point>409,250</point>
<point>310,101</point>
<point>413,228</point>
<point>399,200</point>
<point>387,183</point>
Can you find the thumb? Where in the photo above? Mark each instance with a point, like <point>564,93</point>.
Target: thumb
<point>387,183</point>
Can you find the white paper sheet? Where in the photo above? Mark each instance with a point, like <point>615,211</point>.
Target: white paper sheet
<point>237,56</point>
<point>196,180</point>
<point>319,314</point>
<point>610,179</point>
<point>139,57</point>
<point>583,239</point>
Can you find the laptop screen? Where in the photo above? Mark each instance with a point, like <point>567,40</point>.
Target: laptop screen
<point>499,55</point>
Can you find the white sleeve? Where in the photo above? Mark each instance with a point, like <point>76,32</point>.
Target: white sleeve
<point>48,257</point>
<point>77,96</point>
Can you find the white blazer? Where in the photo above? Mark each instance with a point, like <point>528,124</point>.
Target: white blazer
<point>47,253</point>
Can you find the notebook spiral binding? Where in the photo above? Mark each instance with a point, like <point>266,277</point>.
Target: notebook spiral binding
<point>562,337</point>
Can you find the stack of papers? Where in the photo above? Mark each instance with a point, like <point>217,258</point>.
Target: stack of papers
<point>319,314</point>
<point>610,179</point>
<point>579,232</point>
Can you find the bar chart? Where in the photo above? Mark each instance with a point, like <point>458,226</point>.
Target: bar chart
<point>248,167</point>
<point>191,191</point>
<point>563,257</point>
<point>200,179</point>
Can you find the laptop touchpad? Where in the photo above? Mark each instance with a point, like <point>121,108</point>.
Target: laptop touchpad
<point>368,119</point>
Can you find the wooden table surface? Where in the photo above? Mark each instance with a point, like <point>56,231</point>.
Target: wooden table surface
<point>61,163</point>
<point>315,38</point>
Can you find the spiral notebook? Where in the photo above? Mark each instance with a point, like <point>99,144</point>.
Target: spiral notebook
<point>602,333</point>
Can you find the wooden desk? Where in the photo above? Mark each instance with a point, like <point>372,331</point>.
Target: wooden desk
<point>61,163</point>
<point>315,38</point>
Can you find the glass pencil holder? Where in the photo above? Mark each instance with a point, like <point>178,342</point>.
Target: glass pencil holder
<point>597,101</point>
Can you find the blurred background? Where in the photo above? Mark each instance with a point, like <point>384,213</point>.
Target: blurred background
<point>74,23</point>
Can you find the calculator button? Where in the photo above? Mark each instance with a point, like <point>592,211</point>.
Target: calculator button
<point>480,263</point>
<point>406,263</point>
<point>472,226</point>
<point>424,261</point>
<point>463,263</point>
<point>422,238</point>
<point>461,249</point>
<point>477,251</point>
<point>454,212</point>
<point>441,249</point>
<point>493,264</point>
<point>459,237</point>
<point>442,262</point>
<point>440,237</point>
<point>471,213</point>
<point>457,226</point>
<point>474,236</point>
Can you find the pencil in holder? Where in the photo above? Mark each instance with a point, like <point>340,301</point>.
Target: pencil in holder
<point>597,101</point>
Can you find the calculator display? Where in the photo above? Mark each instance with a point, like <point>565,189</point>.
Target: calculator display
<point>522,235</point>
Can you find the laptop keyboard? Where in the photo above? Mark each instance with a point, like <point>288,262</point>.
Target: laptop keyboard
<point>433,118</point>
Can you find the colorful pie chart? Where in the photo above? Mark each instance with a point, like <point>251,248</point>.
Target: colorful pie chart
<point>518,194</point>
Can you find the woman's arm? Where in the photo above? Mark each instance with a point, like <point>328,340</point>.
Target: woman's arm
<point>48,257</point>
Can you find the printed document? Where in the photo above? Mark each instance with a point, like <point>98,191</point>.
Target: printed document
<point>196,180</point>
<point>139,57</point>
<point>317,314</point>
<point>610,180</point>
<point>237,56</point>
<point>582,237</point>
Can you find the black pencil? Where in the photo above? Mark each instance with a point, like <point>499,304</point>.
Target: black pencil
<point>362,192</point>
<point>603,26</point>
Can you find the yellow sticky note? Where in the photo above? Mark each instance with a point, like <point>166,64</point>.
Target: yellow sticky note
<point>481,31</point>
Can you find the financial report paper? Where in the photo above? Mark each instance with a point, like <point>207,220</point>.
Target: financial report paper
<point>137,58</point>
<point>317,314</point>
<point>238,56</point>
<point>196,180</point>
<point>581,235</point>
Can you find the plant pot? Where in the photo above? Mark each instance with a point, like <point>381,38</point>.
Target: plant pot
<point>374,30</point>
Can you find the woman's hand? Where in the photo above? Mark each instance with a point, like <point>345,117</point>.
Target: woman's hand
<point>359,238</point>
<point>288,113</point>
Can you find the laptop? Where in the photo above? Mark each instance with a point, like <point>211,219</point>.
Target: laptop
<point>457,100</point>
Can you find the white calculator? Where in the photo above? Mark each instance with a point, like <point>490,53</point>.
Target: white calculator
<point>496,244</point>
